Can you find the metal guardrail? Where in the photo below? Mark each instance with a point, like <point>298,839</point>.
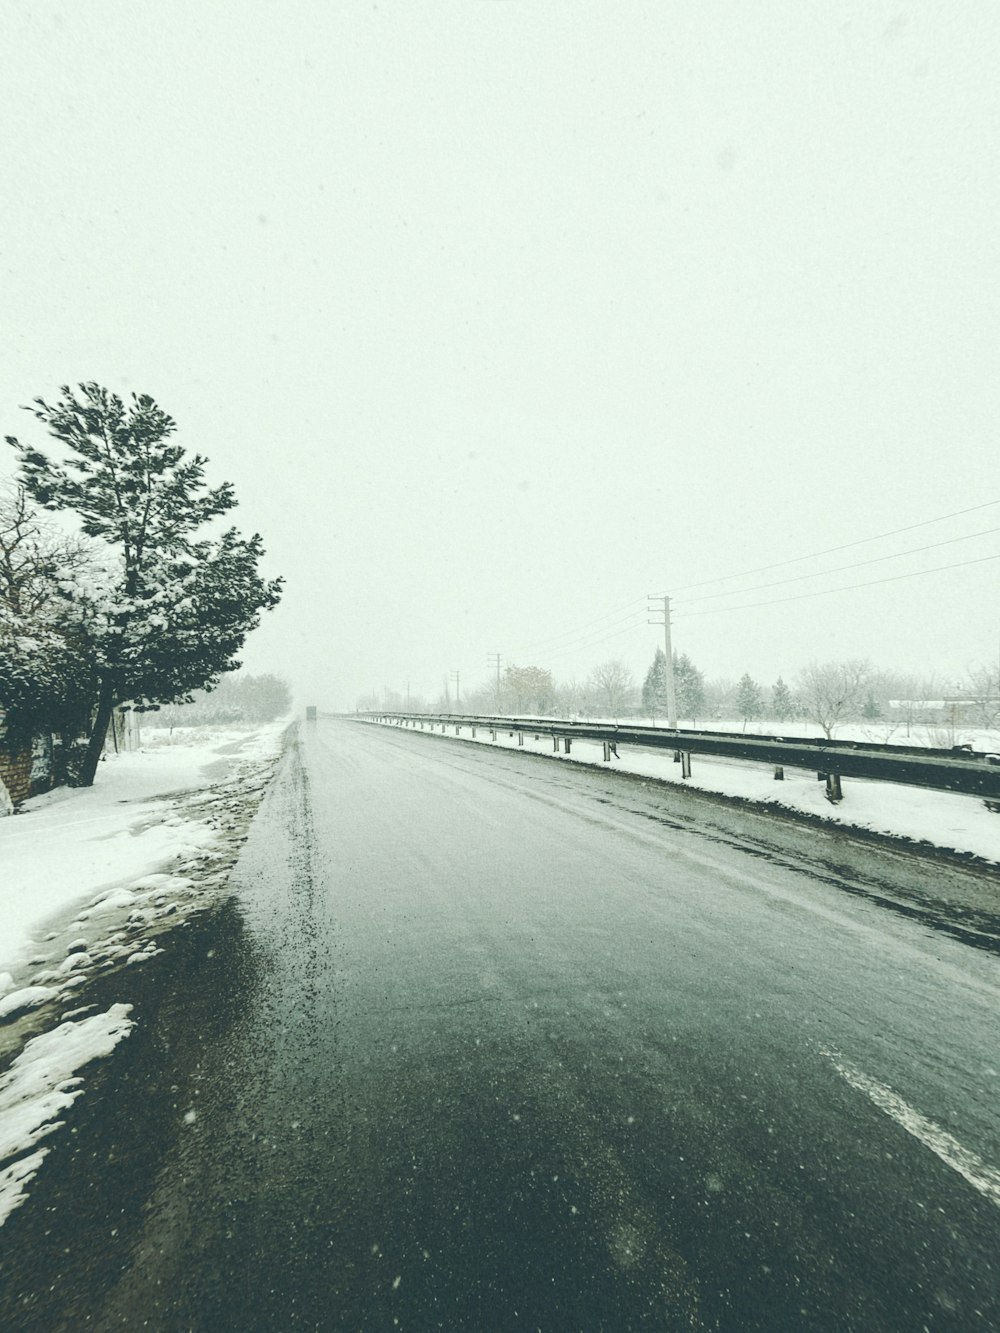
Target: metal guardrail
<point>957,770</point>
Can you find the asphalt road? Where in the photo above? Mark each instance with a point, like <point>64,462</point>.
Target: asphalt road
<point>485,1042</point>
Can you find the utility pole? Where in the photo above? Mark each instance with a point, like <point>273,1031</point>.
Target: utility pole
<point>458,688</point>
<point>494,662</point>
<point>664,611</point>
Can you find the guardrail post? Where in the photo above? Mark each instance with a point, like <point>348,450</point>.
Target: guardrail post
<point>520,738</point>
<point>677,756</point>
<point>458,731</point>
<point>779,773</point>
<point>473,733</point>
<point>566,744</point>
<point>833,788</point>
<point>555,744</point>
<point>493,735</point>
<point>607,753</point>
<point>685,763</point>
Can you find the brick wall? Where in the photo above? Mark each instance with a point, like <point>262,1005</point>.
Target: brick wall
<point>27,769</point>
<point>15,769</point>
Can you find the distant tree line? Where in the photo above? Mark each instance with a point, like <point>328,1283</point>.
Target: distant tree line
<point>827,694</point>
<point>236,698</point>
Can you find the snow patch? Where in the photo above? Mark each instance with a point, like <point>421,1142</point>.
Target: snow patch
<point>41,1085</point>
<point>28,997</point>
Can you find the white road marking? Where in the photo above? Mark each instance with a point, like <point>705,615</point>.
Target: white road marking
<point>980,1175</point>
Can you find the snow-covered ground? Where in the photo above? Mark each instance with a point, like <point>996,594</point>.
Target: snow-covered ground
<point>89,877</point>
<point>894,731</point>
<point>936,736</point>
<point>944,819</point>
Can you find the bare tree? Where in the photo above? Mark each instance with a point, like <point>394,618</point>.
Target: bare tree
<point>47,668</point>
<point>909,701</point>
<point>36,560</point>
<point>571,698</point>
<point>834,692</point>
<point>982,689</point>
<point>613,684</point>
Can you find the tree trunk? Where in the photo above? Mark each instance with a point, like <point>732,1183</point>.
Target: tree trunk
<point>105,708</point>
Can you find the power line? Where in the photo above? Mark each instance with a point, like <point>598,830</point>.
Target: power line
<point>618,616</point>
<point>568,652</point>
<point>832,550</point>
<point>825,592</point>
<point>839,569</point>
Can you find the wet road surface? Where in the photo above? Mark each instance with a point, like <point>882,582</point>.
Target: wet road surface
<point>485,1042</point>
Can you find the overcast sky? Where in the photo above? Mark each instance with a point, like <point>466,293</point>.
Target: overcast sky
<point>501,314</point>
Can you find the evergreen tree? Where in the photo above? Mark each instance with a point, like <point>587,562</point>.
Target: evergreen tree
<point>689,687</point>
<point>870,709</point>
<point>782,703</point>
<point>749,701</point>
<point>654,687</point>
<point>179,606</point>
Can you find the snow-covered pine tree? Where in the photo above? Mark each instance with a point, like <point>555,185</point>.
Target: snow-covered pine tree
<point>749,700</point>
<point>654,687</point>
<point>782,703</point>
<point>871,709</point>
<point>180,606</point>
<point>689,686</point>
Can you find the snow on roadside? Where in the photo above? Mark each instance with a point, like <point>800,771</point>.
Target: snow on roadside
<point>40,1085</point>
<point>91,846</point>
<point>91,877</point>
<point>949,820</point>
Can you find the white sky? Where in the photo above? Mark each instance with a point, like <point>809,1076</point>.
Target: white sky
<point>500,315</point>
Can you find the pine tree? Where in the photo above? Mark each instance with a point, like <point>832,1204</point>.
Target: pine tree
<point>749,701</point>
<point>179,606</point>
<point>870,709</point>
<point>654,687</point>
<point>689,687</point>
<point>782,703</point>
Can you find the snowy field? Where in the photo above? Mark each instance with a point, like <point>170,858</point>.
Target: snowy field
<point>930,735</point>
<point>89,878</point>
<point>952,821</point>
<point>935,736</point>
